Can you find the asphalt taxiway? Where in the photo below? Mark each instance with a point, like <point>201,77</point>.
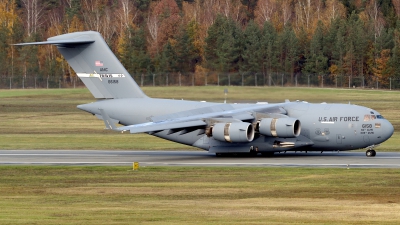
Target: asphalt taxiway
<point>196,158</point>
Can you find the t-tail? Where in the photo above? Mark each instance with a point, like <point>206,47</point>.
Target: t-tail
<point>95,64</point>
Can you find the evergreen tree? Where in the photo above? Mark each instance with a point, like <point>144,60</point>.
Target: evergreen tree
<point>134,55</point>
<point>214,32</point>
<point>395,58</point>
<point>317,62</point>
<point>356,46</point>
<point>187,54</point>
<point>334,48</point>
<point>168,59</point>
<point>252,52</point>
<point>270,52</point>
<point>290,51</point>
<point>250,8</point>
<point>223,45</point>
<point>339,46</point>
<point>74,9</point>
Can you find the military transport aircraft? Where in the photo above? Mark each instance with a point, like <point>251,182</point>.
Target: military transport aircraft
<point>215,127</point>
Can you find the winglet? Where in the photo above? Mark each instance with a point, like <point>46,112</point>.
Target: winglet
<point>107,121</point>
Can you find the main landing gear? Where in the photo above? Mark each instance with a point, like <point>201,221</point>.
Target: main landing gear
<point>370,153</point>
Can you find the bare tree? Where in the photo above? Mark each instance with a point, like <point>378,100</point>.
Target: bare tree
<point>303,13</point>
<point>107,28</point>
<point>208,12</point>
<point>286,12</point>
<point>126,14</point>
<point>55,19</point>
<point>33,12</point>
<point>334,9</point>
<point>91,14</point>
<point>264,10</point>
<point>374,13</point>
<point>153,25</point>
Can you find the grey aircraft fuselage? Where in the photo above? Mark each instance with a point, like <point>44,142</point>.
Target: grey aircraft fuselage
<point>323,126</point>
<point>215,127</point>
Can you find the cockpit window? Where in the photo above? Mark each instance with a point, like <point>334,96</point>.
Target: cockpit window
<point>372,117</point>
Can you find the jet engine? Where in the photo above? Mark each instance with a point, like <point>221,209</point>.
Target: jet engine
<point>233,132</point>
<point>279,127</point>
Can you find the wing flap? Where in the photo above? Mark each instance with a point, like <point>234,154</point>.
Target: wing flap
<point>156,126</point>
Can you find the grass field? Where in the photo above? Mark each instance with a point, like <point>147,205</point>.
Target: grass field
<point>49,119</point>
<point>196,195</point>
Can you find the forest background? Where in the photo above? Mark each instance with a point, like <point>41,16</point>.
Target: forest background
<point>202,42</point>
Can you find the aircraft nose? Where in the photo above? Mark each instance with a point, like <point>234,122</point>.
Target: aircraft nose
<point>388,130</point>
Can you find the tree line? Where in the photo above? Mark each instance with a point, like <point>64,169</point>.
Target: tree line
<point>253,39</point>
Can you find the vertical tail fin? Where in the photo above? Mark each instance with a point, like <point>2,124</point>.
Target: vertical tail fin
<point>95,64</point>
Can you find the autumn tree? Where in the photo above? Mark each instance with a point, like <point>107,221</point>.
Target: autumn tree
<point>4,32</point>
<point>162,23</point>
<point>383,71</point>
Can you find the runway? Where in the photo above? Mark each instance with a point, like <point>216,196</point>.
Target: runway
<point>196,158</point>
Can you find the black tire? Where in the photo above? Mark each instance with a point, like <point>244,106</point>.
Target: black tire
<point>370,153</point>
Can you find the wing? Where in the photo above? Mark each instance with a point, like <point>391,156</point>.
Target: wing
<point>202,117</point>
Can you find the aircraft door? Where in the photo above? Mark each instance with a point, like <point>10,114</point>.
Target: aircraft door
<point>338,138</point>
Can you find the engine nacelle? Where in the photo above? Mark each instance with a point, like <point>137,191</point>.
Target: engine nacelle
<point>279,127</point>
<point>233,132</point>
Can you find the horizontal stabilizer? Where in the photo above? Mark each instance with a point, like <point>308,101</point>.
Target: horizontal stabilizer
<point>59,43</point>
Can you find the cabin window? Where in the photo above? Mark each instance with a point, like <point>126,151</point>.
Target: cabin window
<point>367,118</point>
<point>377,125</point>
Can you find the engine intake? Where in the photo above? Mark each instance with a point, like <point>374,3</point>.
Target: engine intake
<point>279,127</point>
<point>233,132</point>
